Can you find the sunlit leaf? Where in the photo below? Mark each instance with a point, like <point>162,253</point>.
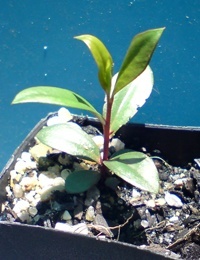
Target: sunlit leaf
<point>55,96</point>
<point>137,57</point>
<point>80,181</point>
<point>70,138</point>
<point>102,58</point>
<point>129,99</point>
<point>135,168</point>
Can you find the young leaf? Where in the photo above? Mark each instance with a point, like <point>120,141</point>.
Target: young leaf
<point>135,168</point>
<point>129,99</point>
<point>70,138</point>
<point>55,96</point>
<point>80,181</point>
<point>102,58</point>
<point>137,57</point>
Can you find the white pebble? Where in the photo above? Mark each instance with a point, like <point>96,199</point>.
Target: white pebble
<point>63,117</point>
<point>24,216</point>
<point>59,182</point>
<point>8,191</point>
<point>65,173</point>
<point>32,211</point>
<point>30,195</point>
<point>150,203</point>
<point>80,228</point>
<point>117,144</point>
<point>172,200</point>
<point>64,114</point>
<point>15,177</point>
<point>46,179</point>
<point>20,166</point>
<point>28,183</point>
<point>21,205</point>
<point>174,219</point>
<point>99,140</point>
<point>25,156</point>
<point>144,223</point>
<point>160,202</point>
<point>17,190</point>
<point>64,227</point>
<point>66,215</point>
<point>90,214</point>
<point>135,194</point>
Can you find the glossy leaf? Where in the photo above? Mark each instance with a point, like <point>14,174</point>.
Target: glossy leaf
<point>102,58</point>
<point>129,99</point>
<point>80,181</point>
<point>70,138</point>
<point>55,96</point>
<point>137,57</point>
<point>135,168</point>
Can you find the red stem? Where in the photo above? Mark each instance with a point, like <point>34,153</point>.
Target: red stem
<point>107,129</point>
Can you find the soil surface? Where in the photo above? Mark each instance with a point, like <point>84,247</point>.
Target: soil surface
<point>166,222</point>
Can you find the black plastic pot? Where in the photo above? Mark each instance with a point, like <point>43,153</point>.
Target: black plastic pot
<point>179,145</point>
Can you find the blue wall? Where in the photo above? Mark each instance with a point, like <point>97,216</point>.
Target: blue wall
<point>27,26</point>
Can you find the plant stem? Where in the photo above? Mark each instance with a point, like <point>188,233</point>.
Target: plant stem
<point>107,128</point>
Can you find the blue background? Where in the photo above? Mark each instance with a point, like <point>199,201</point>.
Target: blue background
<point>26,27</point>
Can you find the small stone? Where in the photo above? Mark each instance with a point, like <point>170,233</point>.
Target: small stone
<point>14,177</point>
<point>150,203</point>
<point>65,173</point>
<point>25,156</point>
<point>117,144</point>
<point>172,200</point>
<point>90,214</point>
<point>66,215</point>
<point>59,182</point>
<point>92,196</point>
<point>64,227</point>
<point>20,166</point>
<point>144,223</point>
<point>24,216</point>
<point>99,140</point>
<point>160,202</point>
<point>46,193</point>
<point>32,211</point>
<point>28,183</point>
<point>179,183</point>
<point>54,169</point>
<point>81,228</point>
<point>135,193</point>
<point>21,205</point>
<point>63,117</point>
<point>30,196</point>
<point>18,191</point>
<point>174,219</point>
<point>8,191</point>
<point>46,179</point>
<point>39,150</point>
<point>64,159</point>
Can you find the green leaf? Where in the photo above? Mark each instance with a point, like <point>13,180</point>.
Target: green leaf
<point>102,58</point>
<point>55,96</point>
<point>70,138</point>
<point>129,99</point>
<point>135,168</point>
<point>80,181</point>
<point>137,57</point>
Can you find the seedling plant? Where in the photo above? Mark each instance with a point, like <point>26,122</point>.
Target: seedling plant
<point>124,93</point>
